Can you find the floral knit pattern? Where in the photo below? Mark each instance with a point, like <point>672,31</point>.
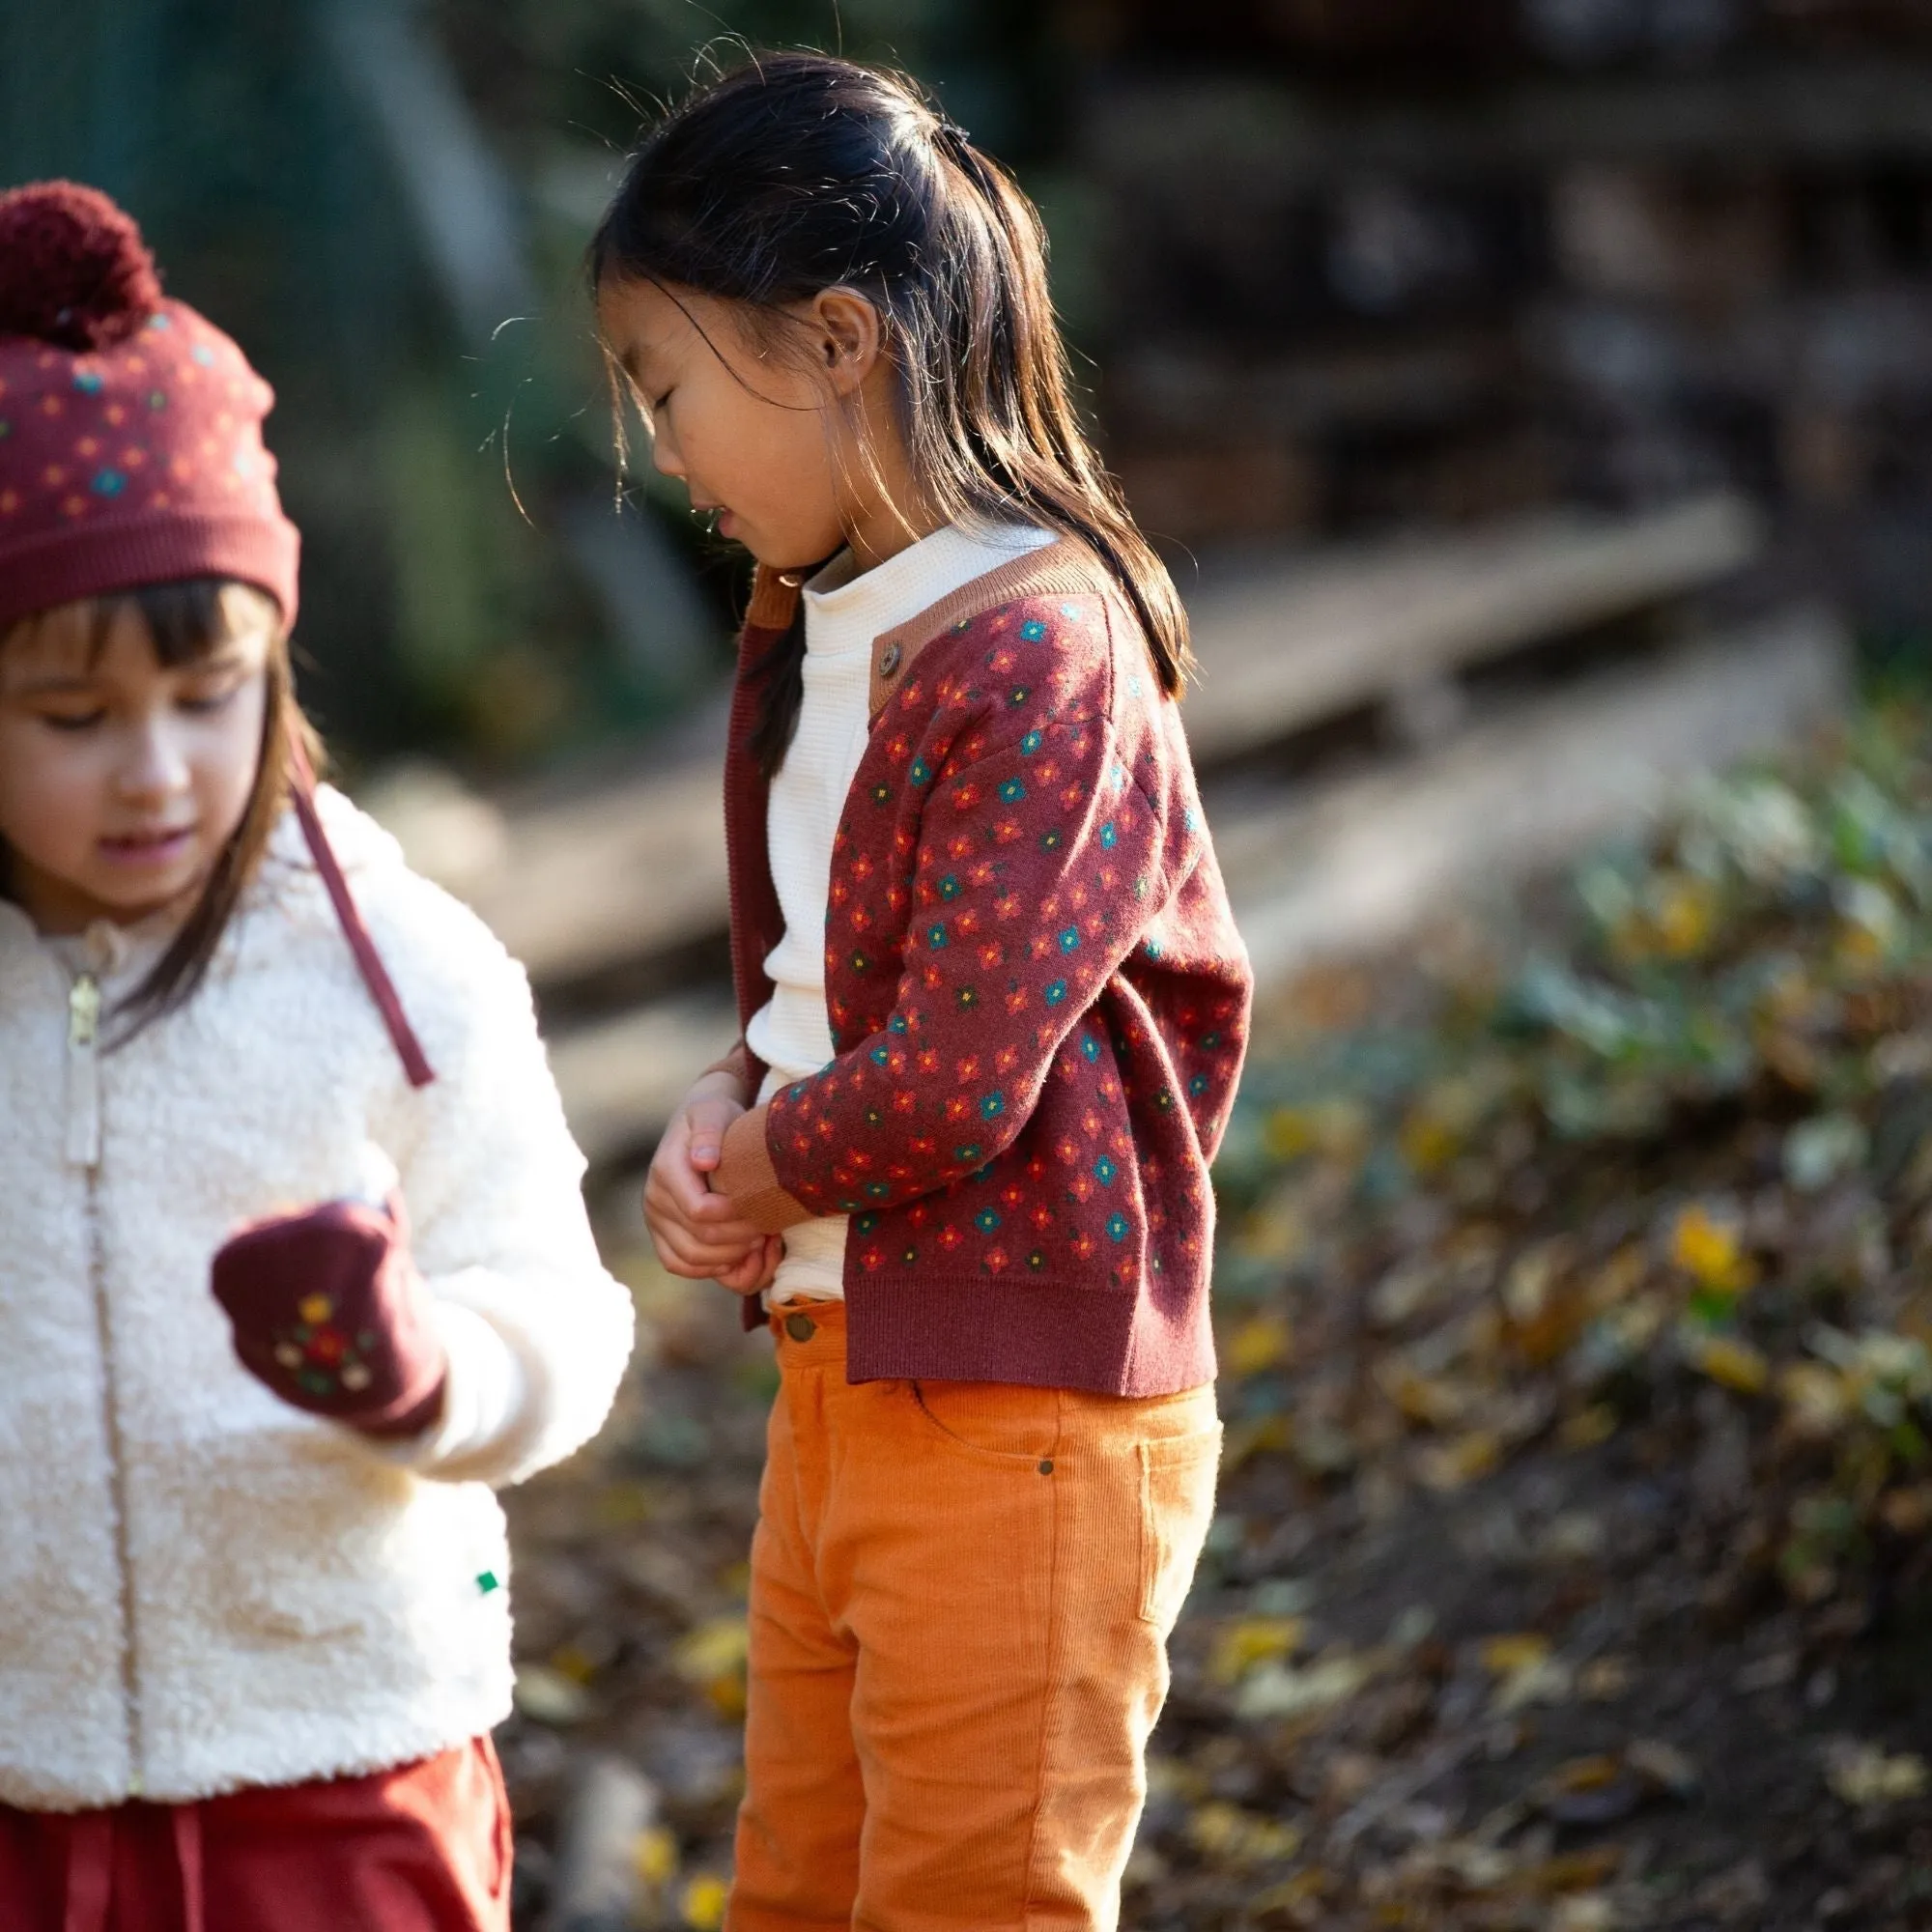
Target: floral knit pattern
<point>1038,998</point>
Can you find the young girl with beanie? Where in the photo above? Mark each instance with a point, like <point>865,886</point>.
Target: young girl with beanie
<point>296,1262</point>
<point>994,1010</point>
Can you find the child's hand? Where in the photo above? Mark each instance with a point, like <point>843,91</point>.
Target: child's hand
<point>329,1312</point>
<point>698,1234</point>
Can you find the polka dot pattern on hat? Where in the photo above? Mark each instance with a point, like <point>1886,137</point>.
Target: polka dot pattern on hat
<point>130,427</point>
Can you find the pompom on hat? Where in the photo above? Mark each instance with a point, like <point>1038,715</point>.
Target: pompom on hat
<point>130,427</point>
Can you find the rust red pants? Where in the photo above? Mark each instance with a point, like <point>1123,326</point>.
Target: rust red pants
<point>423,1848</point>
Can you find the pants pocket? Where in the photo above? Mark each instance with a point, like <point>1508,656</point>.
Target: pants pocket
<point>1177,1505</point>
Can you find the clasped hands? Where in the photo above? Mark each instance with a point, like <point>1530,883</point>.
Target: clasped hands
<point>698,1234</point>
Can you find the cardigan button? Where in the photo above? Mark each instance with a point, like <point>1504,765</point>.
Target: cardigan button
<point>889,660</point>
<point>801,1327</point>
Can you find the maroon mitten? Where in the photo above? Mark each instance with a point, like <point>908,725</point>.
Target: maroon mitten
<point>329,1312</point>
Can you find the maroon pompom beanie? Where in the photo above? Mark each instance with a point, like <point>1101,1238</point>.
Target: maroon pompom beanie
<point>130,427</point>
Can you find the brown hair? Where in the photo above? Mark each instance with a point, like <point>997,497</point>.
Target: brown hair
<point>185,622</point>
<point>801,172</point>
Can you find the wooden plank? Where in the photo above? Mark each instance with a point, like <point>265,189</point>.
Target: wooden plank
<point>1281,647</point>
<point>1359,865</point>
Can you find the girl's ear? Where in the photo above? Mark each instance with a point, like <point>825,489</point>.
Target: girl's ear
<point>849,339</point>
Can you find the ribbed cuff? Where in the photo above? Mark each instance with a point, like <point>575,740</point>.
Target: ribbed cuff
<point>745,1172</point>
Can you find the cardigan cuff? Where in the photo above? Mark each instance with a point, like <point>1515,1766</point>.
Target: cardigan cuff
<point>745,1174</point>
<point>738,1064</point>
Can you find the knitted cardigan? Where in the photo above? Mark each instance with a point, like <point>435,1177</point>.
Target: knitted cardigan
<point>1039,1000</point>
<point>201,1587</point>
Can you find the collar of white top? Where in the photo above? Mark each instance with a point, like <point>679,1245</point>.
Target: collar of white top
<point>843,611</point>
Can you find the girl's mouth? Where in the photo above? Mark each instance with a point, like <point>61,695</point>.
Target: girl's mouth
<point>146,851</point>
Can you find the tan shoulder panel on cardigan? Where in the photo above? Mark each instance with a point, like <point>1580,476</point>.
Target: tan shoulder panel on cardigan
<point>1066,568</point>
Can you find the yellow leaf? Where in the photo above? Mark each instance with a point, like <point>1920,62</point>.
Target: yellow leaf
<point>1816,1401</point>
<point>1225,1831</point>
<point>654,1855</point>
<point>1862,1773</point>
<point>1252,1640</point>
<point>1734,1363</point>
<point>1588,1427</point>
<point>1451,1466</point>
<point>702,1906</point>
<point>712,1649</point>
<point>1260,1342</point>
<point>1708,1250</point>
<point>573,1661</point>
<point>1513,1652</point>
<point>1289,1133</point>
<point>1429,1143</point>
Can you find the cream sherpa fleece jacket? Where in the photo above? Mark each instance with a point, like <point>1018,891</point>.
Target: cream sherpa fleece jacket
<point>200,1587</point>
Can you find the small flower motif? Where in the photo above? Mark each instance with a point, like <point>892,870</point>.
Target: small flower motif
<point>880,1054</point>
<point>1198,1086</point>
<point>1011,792</point>
<point>986,1220</point>
<point>1105,1170</point>
<point>1069,939</point>
<point>969,1152</point>
<point>1090,1048</point>
<point>899,1023</point>
<point>1036,1259</point>
<point>1052,841</point>
<point>865,1223</point>
<point>1117,1227</point>
<point>1110,835</point>
<point>969,997</point>
<point>949,887</point>
<point>89,381</point>
<point>992,1106</point>
<point>882,794</point>
<point>1033,630</point>
<point>109,483</point>
<point>861,964</point>
<point>1154,948</point>
<point>921,773</point>
<point>1032,742</point>
<point>879,1190</point>
<point>1056,992</point>
<point>1018,694</point>
<point>936,936</point>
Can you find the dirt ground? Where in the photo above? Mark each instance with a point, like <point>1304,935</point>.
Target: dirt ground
<point>1570,1565</point>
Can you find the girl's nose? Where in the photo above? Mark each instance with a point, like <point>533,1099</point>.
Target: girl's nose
<point>665,457</point>
<point>156,764</point>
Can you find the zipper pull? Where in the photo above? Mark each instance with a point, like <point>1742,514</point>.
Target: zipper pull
<point>83,1010</point>
<point>83,1072</point>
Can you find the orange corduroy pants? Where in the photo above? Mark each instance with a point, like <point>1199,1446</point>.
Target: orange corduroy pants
<point>961,1594</point>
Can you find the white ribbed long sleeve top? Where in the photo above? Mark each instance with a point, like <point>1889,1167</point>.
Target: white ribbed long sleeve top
<point>844,613</point>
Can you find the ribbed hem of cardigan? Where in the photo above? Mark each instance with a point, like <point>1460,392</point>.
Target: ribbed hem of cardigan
<point>745,1172</point>
<point>1041,1334</point>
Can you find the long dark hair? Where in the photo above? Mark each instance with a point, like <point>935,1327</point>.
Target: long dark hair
<point>799,172</point>
<point>184,619</point>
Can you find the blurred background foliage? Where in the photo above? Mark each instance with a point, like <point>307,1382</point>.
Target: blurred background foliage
<point>387,204</point>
